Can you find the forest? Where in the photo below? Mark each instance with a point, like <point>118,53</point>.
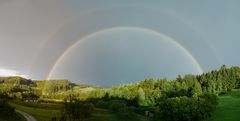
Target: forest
<point>186,98</point>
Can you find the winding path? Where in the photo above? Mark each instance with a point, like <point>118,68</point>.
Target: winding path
<point>26,115</point>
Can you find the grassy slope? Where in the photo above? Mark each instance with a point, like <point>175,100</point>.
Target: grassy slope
<point>228,108</point>
<point>38,113</point>
<point>45,114</point>
<point>105,115</point>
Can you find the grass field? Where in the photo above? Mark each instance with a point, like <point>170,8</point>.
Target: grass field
<point>39,113</point>
<point>105,115</point>
<point>228,108</point>
<point>49,111</point>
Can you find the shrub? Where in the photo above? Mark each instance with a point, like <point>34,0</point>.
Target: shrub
<point>77,111</point>
<point>102,104</point>
<point>127,113</point>
<point>186,108</point>
<point>117,105</point>
<point>122,110</point>
<point>6,111</point>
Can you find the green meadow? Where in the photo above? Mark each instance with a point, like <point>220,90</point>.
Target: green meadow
<point>228,108</point>
<point>41,114</point>
<point>45,112</point>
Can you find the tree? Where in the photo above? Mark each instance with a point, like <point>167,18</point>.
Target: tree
<point>186,108</point>
<point>6,112</point>
<point>141,98</point>
<point>77,111</point>
<point>194,87</point>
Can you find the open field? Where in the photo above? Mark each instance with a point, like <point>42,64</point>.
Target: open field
<point>46,113</point>
<point>228,108</point>
<point>39,113</point>
<point>105,115</point>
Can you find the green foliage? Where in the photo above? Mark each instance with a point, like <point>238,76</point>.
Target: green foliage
<point>228,107</point>
<point>6,111</point>
<point>12,85</point>
<point>97,93</point>
<point>102,104</point>
<point>52,86</point>
<point>128,92</point>
<point>117,105</point>
<point>186,96</point>
<point>42,112</point>
<point>121,108</point>
<point>141,98</point>
<point>77,111</point>
<point>17,81</point>
<point>186,108</point>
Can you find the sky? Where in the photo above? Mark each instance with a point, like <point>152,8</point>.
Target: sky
<point>111,42</point>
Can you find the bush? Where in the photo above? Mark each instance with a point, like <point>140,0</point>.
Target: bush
<point>121,108</point>
<point>102,104</point>
<point>186,108</point>
<point>5,110</point>
<point>127,113</point>
<point>77,111</point>
<point>117,105</point>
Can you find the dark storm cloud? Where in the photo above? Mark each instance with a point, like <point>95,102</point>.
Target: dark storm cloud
<point>33,34</point>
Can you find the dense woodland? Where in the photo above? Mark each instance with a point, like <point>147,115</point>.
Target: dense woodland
<point>187,98</point>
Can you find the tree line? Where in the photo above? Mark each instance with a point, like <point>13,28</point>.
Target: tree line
<point>186,98</point>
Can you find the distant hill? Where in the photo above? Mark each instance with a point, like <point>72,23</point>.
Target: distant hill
<point>17,86</point>
<point>17,81</point>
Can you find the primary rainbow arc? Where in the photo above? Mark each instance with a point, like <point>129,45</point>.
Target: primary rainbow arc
<point>166,37</point>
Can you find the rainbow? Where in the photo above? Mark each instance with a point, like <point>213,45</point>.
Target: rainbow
<point>164,36</point>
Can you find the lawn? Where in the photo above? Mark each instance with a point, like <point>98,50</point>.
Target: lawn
<point>106,115</point>
<point>46,113</point>
<point>228,108</point>
<point>39,113</point>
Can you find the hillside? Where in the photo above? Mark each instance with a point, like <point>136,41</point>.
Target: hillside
<point>228,108</point>
<point>187,98</point>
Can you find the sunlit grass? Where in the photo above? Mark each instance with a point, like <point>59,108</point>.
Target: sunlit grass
<point>106,115</point>
<point>228,108</point>
<point>38,113</point>
<point>45,114</point>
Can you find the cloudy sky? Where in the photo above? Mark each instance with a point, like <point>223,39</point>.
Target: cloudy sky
<point>111,42</point>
